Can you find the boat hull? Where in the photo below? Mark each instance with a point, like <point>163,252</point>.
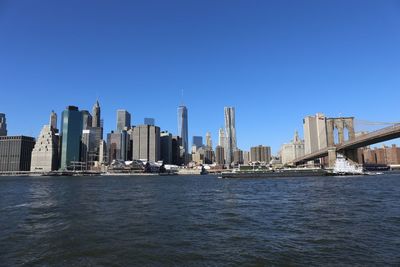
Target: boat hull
<point>272,174</point>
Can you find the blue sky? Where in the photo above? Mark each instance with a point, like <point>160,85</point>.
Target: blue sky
<point>275,61</point>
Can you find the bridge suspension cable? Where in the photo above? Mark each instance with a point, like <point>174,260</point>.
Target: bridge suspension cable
<point>377,123</point>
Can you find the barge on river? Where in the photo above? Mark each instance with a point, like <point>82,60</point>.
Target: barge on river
<point>304,172</point>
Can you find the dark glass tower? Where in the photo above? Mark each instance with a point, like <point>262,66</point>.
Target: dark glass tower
<point>3,125</point>
<point>71,133</point>
<point>183,128</point>
<point>87,120</point>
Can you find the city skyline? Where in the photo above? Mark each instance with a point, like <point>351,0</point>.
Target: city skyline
<point>274,71</point>
<point>139,121</point>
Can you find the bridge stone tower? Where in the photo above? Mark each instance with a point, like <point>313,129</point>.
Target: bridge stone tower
<point>341,124</point>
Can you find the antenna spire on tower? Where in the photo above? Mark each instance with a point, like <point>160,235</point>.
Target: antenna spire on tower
<point>182,97</point>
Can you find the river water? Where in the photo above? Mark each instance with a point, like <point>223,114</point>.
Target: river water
<point>199,221</point>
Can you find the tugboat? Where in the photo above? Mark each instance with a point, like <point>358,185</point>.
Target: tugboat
<point>344,167</point>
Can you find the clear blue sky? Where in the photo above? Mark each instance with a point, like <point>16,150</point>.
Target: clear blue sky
<point>275,61</point>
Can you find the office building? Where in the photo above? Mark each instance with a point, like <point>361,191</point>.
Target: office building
<point>45,152</point>
<point>315,135</point>
<point>246,157</point>
<point>183,130</point>
<point>90,146</point>
<point>198,156</point>
<point>53,120</point>
<point>123,120</point>
<point>221,137</point>
<point>149,121</point>
<point>71,135</point>
<point>197,141</point>
<point>261,154</point>
<point>230,138</point>
<point>3,125</point>
<point>208,140</point>
<point>16,153</point>
<point>177,151</point>
<point>86,120</point>
<point>237,157</point>
<point>208,156</point>
<point>219,155</point>
<point>146,143</point>
<point>166,147</point>
<point>118,146</point>
<point>102,159</point>
<point>96,111</point>
<point>292,150</point>
<point>97,123</point>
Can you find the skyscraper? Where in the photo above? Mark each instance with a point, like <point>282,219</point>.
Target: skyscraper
<point>149,121</point>
<point>118,146</point>
<point>221,137</point>
<point>146,143</point>
<point>238,157</point>
<point>166,147</point>
<point>219,155</point>
<point>230,128</point>
<point>208,140</point>
<point>3,125</point>
<point>96,130</point>
<point>86,120</point>
<point>315,137</point>
<point>260,154</point>
<point>96,115</point>
<point>177,157</point>
<point>16,152</point>
<point>197,141</point>
<point>183,129</point>
<point>53,120</point>
<point>71,132</point>
<point>123,120</point>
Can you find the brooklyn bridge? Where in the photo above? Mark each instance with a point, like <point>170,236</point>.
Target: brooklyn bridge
<point>349,147</point>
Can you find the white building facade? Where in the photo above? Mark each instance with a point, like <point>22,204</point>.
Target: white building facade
<point>315,136</point>
<point>45,153</point>
<point>292,150</point>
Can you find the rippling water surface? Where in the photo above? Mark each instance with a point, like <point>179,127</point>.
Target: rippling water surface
<point>199,221</point>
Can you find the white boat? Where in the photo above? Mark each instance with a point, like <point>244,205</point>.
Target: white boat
<point>344,167</point>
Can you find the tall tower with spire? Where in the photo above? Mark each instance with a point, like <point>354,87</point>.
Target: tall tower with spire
<point>53,120</point>
<point>183,129</point>
<point>96,115</point>
<point>208,140</point>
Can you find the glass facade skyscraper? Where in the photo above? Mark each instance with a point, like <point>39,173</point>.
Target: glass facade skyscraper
<point>230,138</point>
<point>123,120</point>
<point>149,121</point>
<point>71,133</point>
<point>86,120</point>
<point>197,141</point>
<point>183,128</point>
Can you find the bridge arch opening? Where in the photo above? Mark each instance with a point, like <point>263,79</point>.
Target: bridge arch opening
<point>335,136</point>
<point>346,134</point>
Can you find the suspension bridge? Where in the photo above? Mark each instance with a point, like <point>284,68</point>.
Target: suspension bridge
<point>349,147</point>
